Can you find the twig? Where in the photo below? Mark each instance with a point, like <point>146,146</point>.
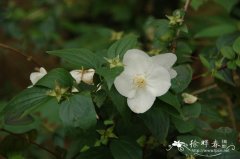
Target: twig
<point>207,73</point>
<point>204,89</point>
<point>200,75</point>
<point>31,142</point>
<point>187,3</point>
<point>174,42</point>
<point>28,58</point>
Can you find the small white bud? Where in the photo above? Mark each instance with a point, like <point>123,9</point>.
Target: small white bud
<point>188,98</point>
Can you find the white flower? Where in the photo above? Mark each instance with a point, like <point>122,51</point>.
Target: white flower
<point>83,75</point>
<point>166,60</point>
<point>144,78</point>
<point>188,98</point>
<point>36,76</point>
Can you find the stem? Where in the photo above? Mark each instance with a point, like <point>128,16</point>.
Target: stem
<point>204,89</point>
<point>200,75</point>
<point>174,42</point>
<point>31,142</point>
<point>28,58</point>
<point>207,73</point>
<point>187,3</point>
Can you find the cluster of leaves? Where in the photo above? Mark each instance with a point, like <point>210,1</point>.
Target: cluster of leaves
<point>52,24</point>
<point>96,122</point>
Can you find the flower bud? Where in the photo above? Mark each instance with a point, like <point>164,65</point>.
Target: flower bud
<point>116,35</point>
<point>114,62</point>
<point>57,92</point>
<point>174,20</point>
<point>188,98</point>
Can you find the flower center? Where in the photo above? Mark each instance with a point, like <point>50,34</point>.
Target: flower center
<point>139,81</point>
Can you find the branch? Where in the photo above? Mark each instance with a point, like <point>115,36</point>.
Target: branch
<point>28,58</point>
<point>204,89</point>
<point>187,3</point>
<point>31,142</point>
<point>174,42</point>
<point>207,73</point>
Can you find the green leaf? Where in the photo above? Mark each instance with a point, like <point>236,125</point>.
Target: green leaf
<point>171,110</point>
<point>226,76</point>
<point>119,102</point>
<point>26,101</point>
<point>123,149</point>
<point>50,111</point>
<point>226,40</point>
<point>232,65</point>
<point>191,110</point>
<point>78,111</point>
<point>183,52</point>
<point>205,61</point>
<point>227,4</point>
<point>21,125</point>
<point>58,76</point>
<point>120,47</point>
<point>157,121</point>
<point>79,57</point>
<point>237,62</point>
<point>183,78</point>
<point>236,46</point>
<point>171,99</point>
<point>215,31</point>
<point>109,74</point>
<point>224,133</point>
<point>210,112</point>
<point>229,155</point>
<point>183,126</point>
<point>195,4</point>
<point>81,140</point>
<point>228,52</point>
<point>99,98</point>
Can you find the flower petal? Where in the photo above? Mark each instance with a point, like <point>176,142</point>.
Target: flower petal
<point>136,61</point>
<point>173,73</point>
<point>77,75</point>
<point>124,85</point>
<point>74,90</point>
<point>141,102</point>
<point>42,70</point>
<point>36,76</point>
<point>158,80</point>
<point>166,60</point>
<point>88,76</point>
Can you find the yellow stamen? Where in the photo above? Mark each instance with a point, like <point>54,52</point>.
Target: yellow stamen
<point>139,81</point>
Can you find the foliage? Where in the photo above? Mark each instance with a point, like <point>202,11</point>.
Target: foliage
<point>51,120</point>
